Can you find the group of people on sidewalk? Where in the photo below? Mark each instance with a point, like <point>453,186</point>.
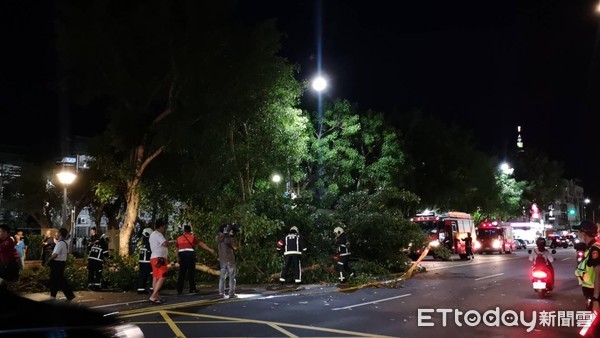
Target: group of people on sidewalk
<point>153,252</point>
<point>154,246</point>
<point>153,258</point>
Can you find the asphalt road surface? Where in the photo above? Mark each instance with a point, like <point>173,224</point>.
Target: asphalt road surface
<point>491,282</point>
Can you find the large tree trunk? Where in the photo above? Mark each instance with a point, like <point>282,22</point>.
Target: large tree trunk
<point>131,214</point>
<point>133,196</point>
<point>140,162</point>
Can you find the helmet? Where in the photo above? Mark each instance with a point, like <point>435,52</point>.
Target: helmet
<point>146,232</point>
<point>540,240</point>
<point>338,231</point>
<point>294,229</point>
<point>223,228</point>
<point>589,228</point>
<point>233,229</point>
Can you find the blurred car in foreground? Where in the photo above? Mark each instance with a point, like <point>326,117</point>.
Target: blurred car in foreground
<point>22,317</point>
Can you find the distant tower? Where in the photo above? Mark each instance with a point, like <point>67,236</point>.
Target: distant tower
<point>519,140</point>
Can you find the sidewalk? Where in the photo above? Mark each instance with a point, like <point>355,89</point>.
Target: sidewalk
<point>103,299</point>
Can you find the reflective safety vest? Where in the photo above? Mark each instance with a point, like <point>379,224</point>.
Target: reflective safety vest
<point>343,247</point>
<point>585,274</point>
<point>96,253</point>
<point>144,251</point>
<point>99,250</point>
<point>292,244</point>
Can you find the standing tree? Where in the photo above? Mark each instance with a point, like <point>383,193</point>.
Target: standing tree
<point>169,74</point>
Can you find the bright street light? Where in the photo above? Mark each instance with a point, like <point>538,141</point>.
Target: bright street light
<point>276,178</point>
<point>66,176</point>
<point>506,169</point>
<point>585,203</point>
<point>319,83</point>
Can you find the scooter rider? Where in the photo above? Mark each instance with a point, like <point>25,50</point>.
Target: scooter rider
<point>540,255</point>
<point>588,271</point>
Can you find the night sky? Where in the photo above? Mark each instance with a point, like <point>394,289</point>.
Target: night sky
<point>487,66</point>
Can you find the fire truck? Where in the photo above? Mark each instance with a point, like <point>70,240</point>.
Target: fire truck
<point>448,229</point>
<point>495,237</point>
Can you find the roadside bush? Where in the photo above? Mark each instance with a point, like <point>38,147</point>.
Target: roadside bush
<point>34,247</point>
<point>120,273</point>
<point>36,280</point>
<point>376,226</point>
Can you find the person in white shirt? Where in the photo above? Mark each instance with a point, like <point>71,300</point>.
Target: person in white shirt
<point>542,254</point>
<point>57,263</point>
<point>158,259</point>
<point>541,251</point>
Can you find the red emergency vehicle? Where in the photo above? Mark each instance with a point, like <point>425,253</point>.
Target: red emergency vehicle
<point>448,229</point>
<point>495,237</point>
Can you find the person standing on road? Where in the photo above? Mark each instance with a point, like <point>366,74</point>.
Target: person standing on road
<point>20,246</point>
<point>588,271</point>
<point>469,245</point>
<point>9,263</point>
<point>26,243</point>
<point>158,259</point>
<point>292,247</point>
<point>144,266</point>
<point>227,245</point>
<point>57,263</point>
<point>98,252</point>
<point>342,247</point>
<point>48,246</point>
<point>187,258</point>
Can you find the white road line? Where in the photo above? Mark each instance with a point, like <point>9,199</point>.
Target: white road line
<point>117,304</point>
<point>565,259</point>
<point>373,302</point>
<point>490,276</point>
<point>476,262</point>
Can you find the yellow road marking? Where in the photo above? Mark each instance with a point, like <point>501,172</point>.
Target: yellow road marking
<point>171,324</point>
<point>282,330</point>
<point>253,321</point>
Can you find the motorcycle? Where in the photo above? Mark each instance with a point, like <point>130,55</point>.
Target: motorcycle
<point>541,276</point>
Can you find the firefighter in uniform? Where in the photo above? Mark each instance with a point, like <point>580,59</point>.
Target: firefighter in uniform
<point>588,271</point>
<point>342,247</point>
<point>292,247</point>
<point>145,269</point>
<point>97,252</point>
<point>187,258</point>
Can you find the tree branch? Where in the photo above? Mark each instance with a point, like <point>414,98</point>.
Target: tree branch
<point>162,115</point>
<point>149,159</point>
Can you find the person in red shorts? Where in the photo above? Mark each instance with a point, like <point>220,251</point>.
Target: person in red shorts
<point>159,246</point>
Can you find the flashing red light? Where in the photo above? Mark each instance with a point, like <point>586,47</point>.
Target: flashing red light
<point>539,274</point>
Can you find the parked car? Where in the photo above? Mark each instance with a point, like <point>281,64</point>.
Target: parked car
<point>22,317</point>
<point>520,244</point>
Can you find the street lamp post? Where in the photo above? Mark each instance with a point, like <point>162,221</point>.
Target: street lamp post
<point>319,84</point>
<point>66,177</point>
<point>585,203</point>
